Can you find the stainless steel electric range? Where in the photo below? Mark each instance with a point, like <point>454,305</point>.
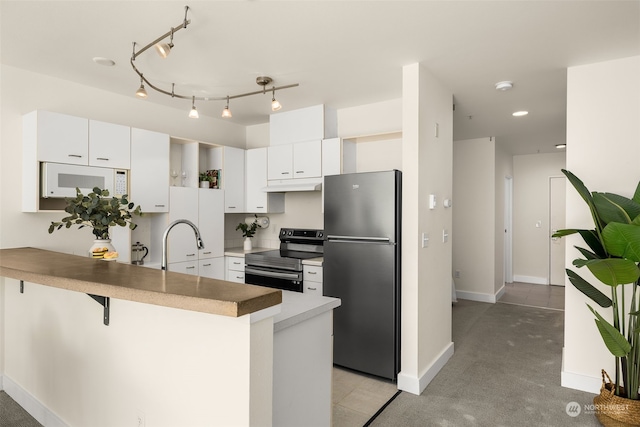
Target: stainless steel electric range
<point>282,268</point>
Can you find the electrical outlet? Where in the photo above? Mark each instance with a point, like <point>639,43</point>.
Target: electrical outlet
<point>457,274</point>
<point>140,421</point>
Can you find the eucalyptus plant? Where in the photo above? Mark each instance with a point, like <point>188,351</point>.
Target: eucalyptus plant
<point>248,230</point>
<point>613,258</point>
<point>98,211</point>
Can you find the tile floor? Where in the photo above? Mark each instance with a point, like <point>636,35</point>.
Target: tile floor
<point>356,398</point>
<point>547,296</point>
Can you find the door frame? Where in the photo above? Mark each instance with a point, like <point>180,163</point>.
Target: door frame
<point>550,241</point>
<point>508,229</point>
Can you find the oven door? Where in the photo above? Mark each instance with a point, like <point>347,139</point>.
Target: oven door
<point>273,278</point>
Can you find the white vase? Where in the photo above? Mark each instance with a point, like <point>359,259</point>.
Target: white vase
<point>247,244</point>
<point>100,247</point>
<point>204,184</point>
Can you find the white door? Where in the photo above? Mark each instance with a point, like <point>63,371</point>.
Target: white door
<point>557,193</point>
<point>508,236</point>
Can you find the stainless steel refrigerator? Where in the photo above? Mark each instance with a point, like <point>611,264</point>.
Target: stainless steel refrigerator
<point>362,213</point>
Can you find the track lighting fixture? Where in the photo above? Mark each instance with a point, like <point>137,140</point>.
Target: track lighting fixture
<point>165,48</point>
<point>193,113</point>
<point>226,113</point>
<point>141,92</point>
<point>275,105</point>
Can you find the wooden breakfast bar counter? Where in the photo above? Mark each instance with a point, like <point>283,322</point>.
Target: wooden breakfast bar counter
<point>178,349</point>
<point>132,283</point>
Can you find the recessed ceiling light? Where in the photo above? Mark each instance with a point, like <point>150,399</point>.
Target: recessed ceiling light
<point>505,85</point>
<point>104,61</point>
<point>559,146</point>
<point>520,113</point>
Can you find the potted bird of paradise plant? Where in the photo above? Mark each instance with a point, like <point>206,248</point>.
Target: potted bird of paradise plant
<point>613,257</point>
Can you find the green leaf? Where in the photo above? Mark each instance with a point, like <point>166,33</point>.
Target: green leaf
<point>615,208</point>
<point>563,233</point>
<point>582,190</point>
<point>613,339</point>
<point>588,289</point>
<point>636,195</point>
<point>591,238</point>
<point>611,271</point>
<point>587,254</point>
<point>622,240</point>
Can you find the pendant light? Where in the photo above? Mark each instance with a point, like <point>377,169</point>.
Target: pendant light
<point>141,92</point>
<point>275,105</point>
<point>193,114</point>
<point>226,113</point>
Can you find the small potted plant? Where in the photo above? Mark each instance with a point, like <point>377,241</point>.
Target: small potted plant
<point>248,231</point>
<point>205,180</point>
<point>98,211</point>
<point>613,258</point>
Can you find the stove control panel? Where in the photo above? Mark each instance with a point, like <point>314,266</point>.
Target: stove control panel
<point>299,234</point>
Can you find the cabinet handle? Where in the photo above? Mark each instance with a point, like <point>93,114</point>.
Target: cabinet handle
<point>311,289</point>
<point>284,173</point>
<point>206,253</point>
<point>189,268</point>
<point>239,277</point>
<point>231,207</point>
<point>102,158</point>
<point>299,171</point>
<point>236,263</point>
<point>312,272</point>
<point>259,207</point>
<point>159,206</point>
<point>191,254</point>
<point>75,155</point>
<point>206,265</point>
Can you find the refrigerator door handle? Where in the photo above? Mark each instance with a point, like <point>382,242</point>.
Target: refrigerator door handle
<point>358,239</point>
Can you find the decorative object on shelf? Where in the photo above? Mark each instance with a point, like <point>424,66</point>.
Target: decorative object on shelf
<point>98,211</point>
<point>214,175</point>
<point>613,258</point>
<point>205,180</point>
<point>248,231</point>
<point>164,49</point>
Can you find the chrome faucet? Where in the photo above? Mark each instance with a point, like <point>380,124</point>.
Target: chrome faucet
<point>166,235</point>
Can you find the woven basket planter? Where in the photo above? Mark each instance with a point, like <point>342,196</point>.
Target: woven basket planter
<point>615,411</point>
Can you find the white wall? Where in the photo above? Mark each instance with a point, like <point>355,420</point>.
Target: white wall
<point>474,212</point>
<point>530,206</point>
<point>603,149</point>
<point>426,272</point>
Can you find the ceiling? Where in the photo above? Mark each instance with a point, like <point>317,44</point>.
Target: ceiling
<point>342,53</point>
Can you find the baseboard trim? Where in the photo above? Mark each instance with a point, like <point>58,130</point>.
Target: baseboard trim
<point>414,385</point>
<point>579,381</point>
<point>33,406</point>
<point>476,296</point>
<point>531,279</point>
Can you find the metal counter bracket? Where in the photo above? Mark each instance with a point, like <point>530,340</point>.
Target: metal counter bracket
<point>103,301</point>
<point>22,286</point>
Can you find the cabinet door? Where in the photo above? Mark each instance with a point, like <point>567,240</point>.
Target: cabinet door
<point>212,268</point>
<point>256,164</point>
<point>109,145</point>
<point>234,271</point>
<point>189,267</point>
<point>183,204</point>
<point>280,162</point>
<point>62,138</point>
<point>307,159</point>
<point>149,176</point>
<point>233,180</point>
<point>211,223</point>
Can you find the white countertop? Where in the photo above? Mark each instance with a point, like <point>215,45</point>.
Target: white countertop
<point>297,307</point>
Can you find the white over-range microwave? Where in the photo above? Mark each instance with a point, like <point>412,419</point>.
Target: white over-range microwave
<point>61,180</point>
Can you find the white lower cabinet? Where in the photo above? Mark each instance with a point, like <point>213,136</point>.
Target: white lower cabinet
<point>187,267</point>
<point>234,269</point>
<point>212,268</point>
<point>312,279</point>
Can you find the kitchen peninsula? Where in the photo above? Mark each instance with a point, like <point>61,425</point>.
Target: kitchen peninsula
<point>178,349</point>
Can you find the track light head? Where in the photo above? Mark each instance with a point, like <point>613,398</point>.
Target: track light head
<point>141,92</point>
<point>193,114</point>
<point>226,113</point>
<point>163,49</point>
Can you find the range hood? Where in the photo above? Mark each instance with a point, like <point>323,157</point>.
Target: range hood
<point>289,185</point>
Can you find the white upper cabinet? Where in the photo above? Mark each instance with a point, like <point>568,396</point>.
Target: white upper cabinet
<point>149,177</point>
<point>307,159</point>
<point>280,162</point>
<point>291,161</point>
<point>58,137</point>
<point>233,179</point>
<point>305,124</point>
<point>109,145</point>
<point>257,200</point>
